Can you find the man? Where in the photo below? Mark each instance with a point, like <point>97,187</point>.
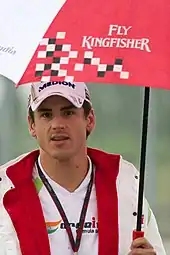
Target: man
<point>66,198</point>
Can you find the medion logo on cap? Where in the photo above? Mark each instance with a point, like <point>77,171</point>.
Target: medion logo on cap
<point>48,84</point>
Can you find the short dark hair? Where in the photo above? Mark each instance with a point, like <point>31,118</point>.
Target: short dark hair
<point>86,106</point>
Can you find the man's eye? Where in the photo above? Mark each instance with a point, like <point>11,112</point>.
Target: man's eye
<point>68,113</point>
<point>46,115</point>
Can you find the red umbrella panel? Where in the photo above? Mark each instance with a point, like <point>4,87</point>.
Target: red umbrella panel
<point>121,42</point>
<point>124,42</point>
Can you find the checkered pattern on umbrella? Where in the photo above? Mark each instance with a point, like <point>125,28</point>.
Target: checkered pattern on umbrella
<point>50,49</point>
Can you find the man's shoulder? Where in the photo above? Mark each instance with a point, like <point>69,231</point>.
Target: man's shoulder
<point>127,170</point>
<point>13,161</point>
<point>127,167</point>
<point>99,153</point>
<point>5,181</point>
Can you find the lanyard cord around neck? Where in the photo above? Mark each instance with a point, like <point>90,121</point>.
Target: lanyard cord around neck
<point>74,244</point>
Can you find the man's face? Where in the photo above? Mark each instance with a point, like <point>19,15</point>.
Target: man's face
<point>60,128</point>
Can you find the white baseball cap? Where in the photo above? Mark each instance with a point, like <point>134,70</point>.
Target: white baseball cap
<point>75,92</point>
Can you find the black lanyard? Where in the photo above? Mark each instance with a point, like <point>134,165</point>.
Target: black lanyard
<point>74,244</point>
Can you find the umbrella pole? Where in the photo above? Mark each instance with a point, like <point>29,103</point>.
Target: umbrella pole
<point>138,233</point>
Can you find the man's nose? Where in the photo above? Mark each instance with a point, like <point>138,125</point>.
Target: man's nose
<point>58,123</point>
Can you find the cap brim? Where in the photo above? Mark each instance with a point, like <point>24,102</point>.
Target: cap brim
<point>76,101</point>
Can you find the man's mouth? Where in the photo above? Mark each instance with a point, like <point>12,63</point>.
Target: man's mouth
<point>59,138</point>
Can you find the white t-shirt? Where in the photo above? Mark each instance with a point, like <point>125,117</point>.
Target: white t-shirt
<point>72,203</point>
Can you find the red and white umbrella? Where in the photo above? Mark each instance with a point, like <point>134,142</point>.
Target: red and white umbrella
<point>120,42</point>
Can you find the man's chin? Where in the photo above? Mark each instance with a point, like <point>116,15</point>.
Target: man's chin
<point>62,155</point>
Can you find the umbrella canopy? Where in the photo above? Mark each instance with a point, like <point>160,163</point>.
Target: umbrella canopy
<point>122,42</point>
<point>125,42</point>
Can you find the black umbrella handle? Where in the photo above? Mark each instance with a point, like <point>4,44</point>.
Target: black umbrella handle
<point>137,232</point>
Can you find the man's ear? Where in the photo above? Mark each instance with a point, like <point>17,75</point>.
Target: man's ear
<point>31,126</point>
<point>91,121</point>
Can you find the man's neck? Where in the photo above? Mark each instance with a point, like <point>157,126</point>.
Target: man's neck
<point>68,174</point>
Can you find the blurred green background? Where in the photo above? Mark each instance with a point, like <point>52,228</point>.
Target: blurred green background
<point>119,120</point>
